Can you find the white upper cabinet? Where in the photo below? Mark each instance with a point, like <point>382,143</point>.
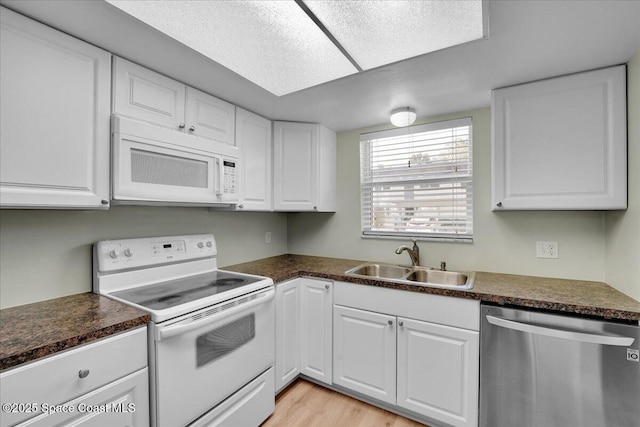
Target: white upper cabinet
<point>561,143</point>
<point>143,94</point>
<point>146,95</point>
<point>210,117</point>
<point>304,165</point>
<point>254,139</point>
<point>54,144</point>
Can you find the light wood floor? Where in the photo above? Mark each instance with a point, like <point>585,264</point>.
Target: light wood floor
<point>304,404</point>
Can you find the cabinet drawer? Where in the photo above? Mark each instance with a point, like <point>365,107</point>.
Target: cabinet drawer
<point>124,402</point>
<point>56,379</point>
<point>458,312</point>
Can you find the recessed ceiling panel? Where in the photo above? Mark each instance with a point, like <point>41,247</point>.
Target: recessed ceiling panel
<point>274,44</point>
<point>378,32</point>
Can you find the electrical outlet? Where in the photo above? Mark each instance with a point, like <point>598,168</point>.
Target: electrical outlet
<point>267,237</point>
<point>547,249</point>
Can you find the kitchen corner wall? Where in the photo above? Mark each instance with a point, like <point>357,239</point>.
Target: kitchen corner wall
<point>47,254</point>
<point>623,227</point>
<point>503,241</point>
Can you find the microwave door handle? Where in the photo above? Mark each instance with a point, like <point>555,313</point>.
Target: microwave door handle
<point>561,333</point>
<point>164,332</point>
<point>220,178</point>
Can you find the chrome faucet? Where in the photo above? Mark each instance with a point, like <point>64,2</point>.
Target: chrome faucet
<point>414,253</point>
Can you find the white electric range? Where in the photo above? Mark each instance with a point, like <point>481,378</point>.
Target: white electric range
<point>211,336</point>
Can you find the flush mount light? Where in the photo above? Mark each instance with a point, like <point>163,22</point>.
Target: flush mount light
<point>402,117</point>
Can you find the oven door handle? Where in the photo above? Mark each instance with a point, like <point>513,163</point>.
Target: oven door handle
<point>189,324</point>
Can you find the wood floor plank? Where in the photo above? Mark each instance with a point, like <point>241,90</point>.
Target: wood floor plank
<point>304,404</point>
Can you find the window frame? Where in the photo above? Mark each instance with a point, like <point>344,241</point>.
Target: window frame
<point>367,228</point>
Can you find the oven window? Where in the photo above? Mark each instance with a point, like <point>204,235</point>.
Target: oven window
<point>225,339</point>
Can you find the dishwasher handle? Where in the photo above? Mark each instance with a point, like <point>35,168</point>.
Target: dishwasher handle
<point>561,333</point>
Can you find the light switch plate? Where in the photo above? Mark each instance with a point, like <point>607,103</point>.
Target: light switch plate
<point>547,249</point>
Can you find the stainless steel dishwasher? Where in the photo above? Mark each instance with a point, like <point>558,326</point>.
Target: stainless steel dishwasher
<point>547,370</point>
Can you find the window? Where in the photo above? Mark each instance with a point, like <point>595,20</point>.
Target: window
<point>417,182</point>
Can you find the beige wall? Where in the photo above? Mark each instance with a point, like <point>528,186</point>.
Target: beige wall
<point>623,228</point>
<point>46,254</point>
<point>503,241</point>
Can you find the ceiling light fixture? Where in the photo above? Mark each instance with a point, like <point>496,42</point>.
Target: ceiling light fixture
<point>402,117</point>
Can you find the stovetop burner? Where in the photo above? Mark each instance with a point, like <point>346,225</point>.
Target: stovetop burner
<point>159,296</point>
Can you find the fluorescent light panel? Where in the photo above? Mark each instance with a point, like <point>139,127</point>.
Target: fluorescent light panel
<point>377,33</point>
<point>277,46</point>
<point>274,44</point>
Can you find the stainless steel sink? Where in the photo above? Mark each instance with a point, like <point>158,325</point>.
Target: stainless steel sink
<point>444,278</point>
<point>418,276</point>
<point>383,271</point>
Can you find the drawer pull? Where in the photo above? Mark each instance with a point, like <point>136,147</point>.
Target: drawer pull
<point>83,373</point>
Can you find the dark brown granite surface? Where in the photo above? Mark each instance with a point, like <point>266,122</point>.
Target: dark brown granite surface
<point>571,296</point>
<point>29,332</point>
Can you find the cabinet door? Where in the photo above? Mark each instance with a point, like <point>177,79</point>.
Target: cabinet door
<point>254,139</point>
<point>146,95</point>
<point>295,166</point>
<point>561,143</point>
<point>364,352</point>
<point>124,402</point>
<point>210,117</point>
<point>287,332</point>
<point>54,147</point>
<point>438,371</point>
<point>316,338</point>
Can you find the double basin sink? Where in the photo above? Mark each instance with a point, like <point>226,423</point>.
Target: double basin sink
<point>418,276</point>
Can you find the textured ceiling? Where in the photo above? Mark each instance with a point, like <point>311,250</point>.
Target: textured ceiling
<point>528,40</point>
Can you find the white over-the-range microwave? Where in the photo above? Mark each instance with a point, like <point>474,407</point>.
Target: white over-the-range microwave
<point>155,165</point>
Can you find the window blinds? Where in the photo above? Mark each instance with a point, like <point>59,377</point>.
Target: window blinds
<point>417,181</point>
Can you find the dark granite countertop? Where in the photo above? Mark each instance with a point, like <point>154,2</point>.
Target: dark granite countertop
<point>570,296</point>
<point>32,331</point>
<point>29,332</point>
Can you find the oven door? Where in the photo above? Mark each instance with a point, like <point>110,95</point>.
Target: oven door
<point>201,358</point>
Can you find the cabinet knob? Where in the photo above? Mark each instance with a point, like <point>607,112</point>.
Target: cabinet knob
<point>181,125</point>
<point>326,286</point>
<point>499,204</point>
<point>83,373</point>
<point>315,208</point>
<point>400,323</point>
<point>240,206</point>
<point>104,201</point>
<point>192,128</point>
<point>390,322</point>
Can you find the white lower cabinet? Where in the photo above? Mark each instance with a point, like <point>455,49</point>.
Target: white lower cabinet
<point>365,352</point>
<point>287,332</point>
<point>105,383</point>
<point>415,351</point>
<point>121,403</point>
<point>438,371</point>
<point>316,297</point>
<point>303,330</point>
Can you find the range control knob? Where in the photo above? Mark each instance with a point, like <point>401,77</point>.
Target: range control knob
<point>200,245</point>
<point>209,244</point>
<point>128,253</point>
<point>114,254</point>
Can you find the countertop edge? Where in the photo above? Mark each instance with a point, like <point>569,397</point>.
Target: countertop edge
<point>293,268</point>
<point>34,331</point>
